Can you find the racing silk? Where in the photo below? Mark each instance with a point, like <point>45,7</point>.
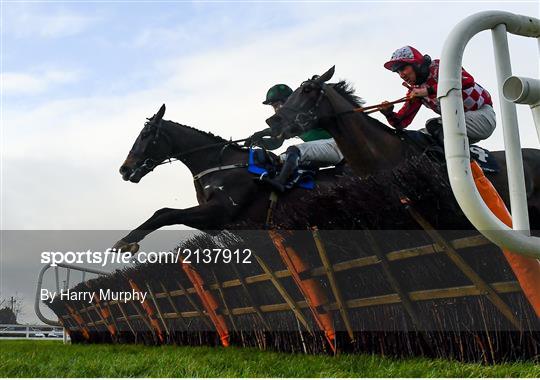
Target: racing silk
<point>474,97</point>
<point>315,134</point>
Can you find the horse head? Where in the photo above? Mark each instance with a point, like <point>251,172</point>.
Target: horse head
<point>151,147</point>
<point>304,107</point>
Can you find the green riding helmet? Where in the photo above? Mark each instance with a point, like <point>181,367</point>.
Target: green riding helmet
<point>278,93</point>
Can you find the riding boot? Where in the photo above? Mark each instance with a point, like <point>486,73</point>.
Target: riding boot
<point>287,170</point>
<point>435,129</point>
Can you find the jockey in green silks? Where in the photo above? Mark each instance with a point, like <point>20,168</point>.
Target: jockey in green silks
<point>318,149</point>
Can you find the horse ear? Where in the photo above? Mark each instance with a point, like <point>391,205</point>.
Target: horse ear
<point>159,114</point>
<point>327,75</point>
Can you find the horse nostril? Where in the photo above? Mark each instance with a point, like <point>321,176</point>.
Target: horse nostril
<point>123,169</point>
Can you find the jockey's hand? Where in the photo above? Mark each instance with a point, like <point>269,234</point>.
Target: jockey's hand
<point>256,138</point>
<point>386,108</point>
<point>418,92</point>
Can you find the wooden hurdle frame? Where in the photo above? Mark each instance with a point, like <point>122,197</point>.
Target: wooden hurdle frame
<point>299,308</point>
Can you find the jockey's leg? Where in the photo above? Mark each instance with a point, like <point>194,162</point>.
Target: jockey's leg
<point>319,153</point>
<point>435,129</point>
<point>313,154</point>
<point>290,164</point>
<point>292,158</point>
<point>480,124</point>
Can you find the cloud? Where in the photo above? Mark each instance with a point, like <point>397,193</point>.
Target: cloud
<point>28,21</point>
<point>218,90</point>
<point>22,83</point>
<point>161,36</point>
<point>61,157</point>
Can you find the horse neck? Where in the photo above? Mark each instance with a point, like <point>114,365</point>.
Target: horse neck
<point>364,141</point>
<point>185,139</point>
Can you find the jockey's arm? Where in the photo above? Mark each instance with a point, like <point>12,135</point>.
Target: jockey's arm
<point>271,143</point>
<point>263,139</point>
<point>404,116</point>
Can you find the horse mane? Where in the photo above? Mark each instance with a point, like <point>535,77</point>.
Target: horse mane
<point>347,90</point>
<point>208,134</point>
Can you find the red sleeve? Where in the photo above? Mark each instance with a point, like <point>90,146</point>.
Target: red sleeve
<point>467,79</point>
<point>405,115</point>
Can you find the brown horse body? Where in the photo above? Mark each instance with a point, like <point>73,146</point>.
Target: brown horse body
<point>227,197</point>
<point>369,146</point>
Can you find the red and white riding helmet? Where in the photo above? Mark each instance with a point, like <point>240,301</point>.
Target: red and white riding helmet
<point>407,55</point>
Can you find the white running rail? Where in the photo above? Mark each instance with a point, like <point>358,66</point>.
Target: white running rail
<point>518,239</point>
<point>40,332</point>
<point>68,267</point>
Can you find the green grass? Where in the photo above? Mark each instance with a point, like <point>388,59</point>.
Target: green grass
<point>53,359</point>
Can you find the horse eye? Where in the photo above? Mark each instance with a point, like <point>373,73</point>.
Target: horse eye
<point>307,89</point>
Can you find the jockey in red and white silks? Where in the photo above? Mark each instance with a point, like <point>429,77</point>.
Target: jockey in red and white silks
<point>421,75</point>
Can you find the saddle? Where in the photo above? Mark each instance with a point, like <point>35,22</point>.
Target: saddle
<point>435,150</point>
<point>264,163</point>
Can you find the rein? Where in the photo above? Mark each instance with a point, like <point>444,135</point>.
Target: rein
<point>377,107</point>
<point>373,108</point>
<point>151,163</point>
<point>304,119</point>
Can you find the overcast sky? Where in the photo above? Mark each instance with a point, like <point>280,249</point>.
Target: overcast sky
<point>79,79</point>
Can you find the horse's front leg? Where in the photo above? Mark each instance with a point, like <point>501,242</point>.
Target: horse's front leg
<point>207,216</point>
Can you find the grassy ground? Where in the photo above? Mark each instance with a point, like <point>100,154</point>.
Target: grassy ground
<point>53,359</point>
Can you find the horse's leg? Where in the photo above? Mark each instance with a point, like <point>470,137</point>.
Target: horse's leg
<point>206,216</point>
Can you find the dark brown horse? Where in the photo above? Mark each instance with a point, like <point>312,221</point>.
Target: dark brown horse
<point>370,146</point>
<point>226,191</point>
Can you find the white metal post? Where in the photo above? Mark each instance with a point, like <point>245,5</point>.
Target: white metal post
<point>455,138</point>
<point>57,279</point>
<point>514,160</point>
<point>521,90</point>
<point>536,117</point>
<point>68,271</point>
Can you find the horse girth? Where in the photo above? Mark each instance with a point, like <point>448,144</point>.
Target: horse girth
<point>218,169</point>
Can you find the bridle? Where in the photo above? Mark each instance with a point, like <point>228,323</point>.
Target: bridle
<point>149,164</point>
<point>303,120</point>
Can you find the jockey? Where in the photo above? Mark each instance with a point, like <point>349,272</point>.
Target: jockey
<point>318,150</point>
<point>421,75</point>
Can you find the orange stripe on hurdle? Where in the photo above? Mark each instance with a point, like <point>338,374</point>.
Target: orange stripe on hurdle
<point>150,311</point>
<point>527,270</point>
<point>209,303</point>
<point>105,313</point>
<point>310,288</point>
<point>79,321</point>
